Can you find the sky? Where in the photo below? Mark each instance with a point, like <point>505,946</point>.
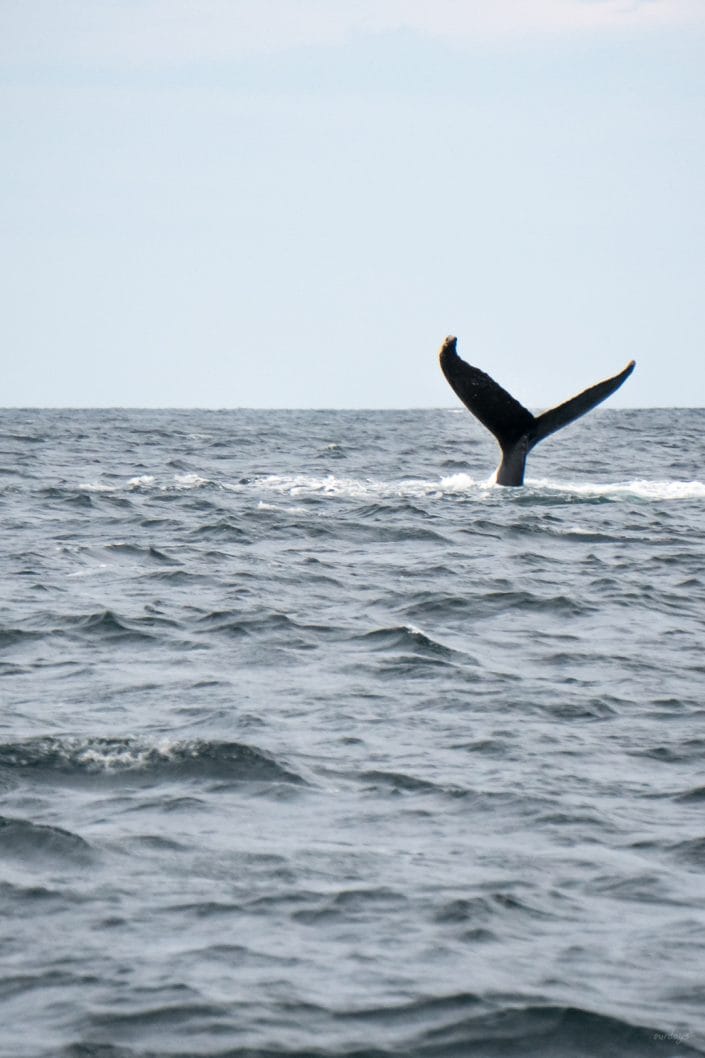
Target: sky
<point>290,203</point>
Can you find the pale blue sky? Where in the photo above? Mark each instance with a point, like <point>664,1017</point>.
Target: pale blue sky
<point>272,203</point>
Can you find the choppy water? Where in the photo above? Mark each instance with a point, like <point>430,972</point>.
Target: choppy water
<point>315,742</point>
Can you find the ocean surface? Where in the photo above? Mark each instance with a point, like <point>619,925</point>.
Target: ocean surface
<point>314,742</point>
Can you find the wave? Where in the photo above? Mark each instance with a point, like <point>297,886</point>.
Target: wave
<point>458,1025</point>
<point>463,484</point>
<point>11,637</point>
<point>438,1027</point>
<point>141,551</point>
<point>407,649</point>
<point>533,1032</point>
<point>142,483</point>
<point>105,624</point>
<point>404,637</point>
<point>430,605</point>
<point>695,795</point>
<point>691,851</point>
<point>278,625</point>
<point>642,489</point>
<point>305,485</point>
<point>21,837</point>
<point>538,1031</point>
<point>690,749</point>
<point>95,486</point>
<point>264,506</point>
<point>25,898</point>
<point>76,759</point>
<point>74,497</point>
<point>398,782</point>
<point>292,485</point>
<point>458,484</point>
<point>348,904</point>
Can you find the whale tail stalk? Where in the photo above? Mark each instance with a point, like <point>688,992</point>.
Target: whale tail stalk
<point>516,429</point>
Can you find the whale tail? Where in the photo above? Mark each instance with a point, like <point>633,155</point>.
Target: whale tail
<point>516,429</point>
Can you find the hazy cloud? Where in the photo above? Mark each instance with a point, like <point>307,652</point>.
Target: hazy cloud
<point>137,31</point>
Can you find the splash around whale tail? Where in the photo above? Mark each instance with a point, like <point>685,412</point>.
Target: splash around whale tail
<point>516,429</point>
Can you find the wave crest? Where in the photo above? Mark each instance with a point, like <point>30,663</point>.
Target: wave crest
<point>308,486</point>
<point>80,758</point>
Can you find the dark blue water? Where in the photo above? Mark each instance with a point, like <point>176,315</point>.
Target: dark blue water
<point>316,743</point>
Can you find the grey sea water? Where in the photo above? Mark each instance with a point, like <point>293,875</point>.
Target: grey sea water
<point>313,742</point>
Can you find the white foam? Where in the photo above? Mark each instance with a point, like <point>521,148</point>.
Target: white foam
<point>262,506</point>
<point>362,489</point>
<point>640,488</point>
<point>577,530</point>
<point>464,483</point>
<point>117,756</point>
<point>365,489</point>
<point>461,483</point>
<point>190,481</point>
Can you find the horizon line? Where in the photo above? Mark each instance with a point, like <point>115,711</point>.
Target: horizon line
<point>322,407</point>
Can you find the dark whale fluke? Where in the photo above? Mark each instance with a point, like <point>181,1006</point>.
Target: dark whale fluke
<point>516,429</point>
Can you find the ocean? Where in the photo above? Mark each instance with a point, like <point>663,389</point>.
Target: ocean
<point>314,742</point>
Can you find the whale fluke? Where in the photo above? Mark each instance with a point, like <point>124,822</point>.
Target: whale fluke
<point>516,429</point>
